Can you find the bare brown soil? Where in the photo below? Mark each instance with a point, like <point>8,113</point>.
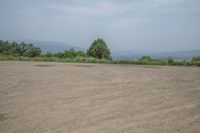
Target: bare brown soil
<point>37,97</point>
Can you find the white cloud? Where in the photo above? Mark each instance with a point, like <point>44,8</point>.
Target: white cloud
<point>99,9</point>
<point>129,9</point>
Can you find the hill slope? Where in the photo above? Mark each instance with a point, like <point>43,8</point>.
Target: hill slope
<point>51,46</point>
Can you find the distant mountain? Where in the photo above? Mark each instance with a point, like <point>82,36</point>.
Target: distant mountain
<point>130,55</point>
<point>182,55</point>
<point>50,46</point>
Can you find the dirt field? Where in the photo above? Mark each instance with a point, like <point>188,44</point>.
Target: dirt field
<point>37,97</point>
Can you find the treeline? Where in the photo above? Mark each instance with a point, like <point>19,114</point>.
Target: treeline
<point>19,49</point>
<point>147,60</point>
<point>98,52</point>
<point>66,54</point>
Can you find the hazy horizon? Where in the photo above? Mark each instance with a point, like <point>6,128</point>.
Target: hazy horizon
<point>129,25</point>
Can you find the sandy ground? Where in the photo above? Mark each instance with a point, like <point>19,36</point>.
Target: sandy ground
<point>37,97</point>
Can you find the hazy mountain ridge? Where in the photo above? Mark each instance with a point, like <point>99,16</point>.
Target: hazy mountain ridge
<point>186,55</point>
<point>51,46</point>
<point>182,55</point>
<point>130,55</point>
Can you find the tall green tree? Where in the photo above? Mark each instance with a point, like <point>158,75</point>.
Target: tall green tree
<point>99,50</point>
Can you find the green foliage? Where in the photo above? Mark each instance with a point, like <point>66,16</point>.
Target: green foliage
<point>73,53</point>
<point>145,60</point>
<point>99,50</point>
<point>48,54</point>
<point>8,57</point>
<point>178,62</point>
<point>123,62</point>
<point>171,61</point>
<point>196,61</point>
<point>196,58</point>
<point>21,49</point>
<point>58,55</point>
<point>66,54</point>
<point>33,52</point>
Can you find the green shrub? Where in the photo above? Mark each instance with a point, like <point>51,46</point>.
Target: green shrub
<point>171,61</point>
<point>196,63</point>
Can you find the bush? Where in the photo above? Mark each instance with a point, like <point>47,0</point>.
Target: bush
<point>196,63</point>
<point>48,54</point>
<point>146,60</point>
<point>171,61</point>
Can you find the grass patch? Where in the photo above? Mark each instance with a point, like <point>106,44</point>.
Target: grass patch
<point>143,61</point>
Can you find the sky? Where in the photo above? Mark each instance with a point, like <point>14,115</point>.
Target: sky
<point>126,25</point>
